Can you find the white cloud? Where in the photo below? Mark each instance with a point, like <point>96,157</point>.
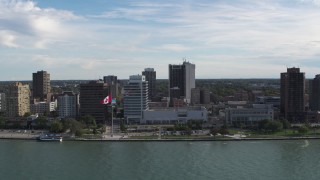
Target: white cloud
<point>32,25</point>
<point>8,40</point>
<point>237,38</point>
<point>173,47</point>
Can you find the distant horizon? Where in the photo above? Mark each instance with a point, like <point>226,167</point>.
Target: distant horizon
<point>157,79</point>
<point>80,39</point>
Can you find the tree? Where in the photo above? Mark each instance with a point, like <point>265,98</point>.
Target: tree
<point>285,124</point>
<point>268,125</point>
<point>79,132</point>
<point>2,122</point>
<point>214,132</point>
<point>303,129</point>
<point>41,122</point>
<point>262,125</point>
<point>71,124</point>
<point>89,120</point>
<point>123,128</point>
<point>274,126</point>
<point>27,114</point>
<point>188,131</point>
<point>56,126</point>
<point>224,131</point>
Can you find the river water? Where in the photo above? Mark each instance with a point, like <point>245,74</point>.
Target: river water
<point>296,159</point>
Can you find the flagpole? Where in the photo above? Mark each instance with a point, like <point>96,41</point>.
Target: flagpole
<point>111,119</point>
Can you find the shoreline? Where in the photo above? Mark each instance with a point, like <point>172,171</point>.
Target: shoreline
<point>34,138</point>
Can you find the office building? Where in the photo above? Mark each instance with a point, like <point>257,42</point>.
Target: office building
<point>249,116</point>
<point>41,85</point>
<point>182,77</point>
<point>195,96</point>
<point>200,96</point>
<point>90,96</point>
<point>42,108</point>
<point>135,99</point>
<point>113,84</point>
<point>175,115</point>
<point>292,95</point>
<point>17,99</point>
<point>273,100</point>
<point>68,105</point>
<point>314,93</point>
<point>204,96</point>
<point>151,77</point>
<point>2,103</point>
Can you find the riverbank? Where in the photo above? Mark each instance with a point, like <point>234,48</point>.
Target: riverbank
<point>118,138</point>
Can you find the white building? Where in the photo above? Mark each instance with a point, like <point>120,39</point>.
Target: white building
<point>249,116</point>
<point>68,104</point>
<point>135,99</point>
<point>174,115</point>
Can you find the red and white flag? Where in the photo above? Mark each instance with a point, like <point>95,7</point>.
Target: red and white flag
<point>106,100</point>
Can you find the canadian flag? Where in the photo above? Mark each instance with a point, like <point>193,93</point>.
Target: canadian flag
<point>106,100</point>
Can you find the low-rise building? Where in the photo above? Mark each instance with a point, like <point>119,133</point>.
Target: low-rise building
<point>42,108</point>
<point>249,116</point>
<point>273,100</point>
<point>174,115</point>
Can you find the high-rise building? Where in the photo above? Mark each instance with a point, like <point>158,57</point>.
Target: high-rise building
<point>183,77</point>
<point>18,99</point>
<point>204,96</point>
<point>314,93</point>
<point>113,84</point>
<point>151,77</point>
<point>41,85</point>
<point>292,92</point>
<point>68,105</point>
<point>90,96</point>
<point>200,96</point>
<point>2,103</point>
<point>195,96</point>
<point>135,99</point>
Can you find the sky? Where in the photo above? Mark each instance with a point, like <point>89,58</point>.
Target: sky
<point>82,39</point>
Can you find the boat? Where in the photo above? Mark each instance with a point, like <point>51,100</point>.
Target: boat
<point>50,137</point>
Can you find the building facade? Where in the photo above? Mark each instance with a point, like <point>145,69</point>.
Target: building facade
<point>205,96</point>
<point>17,99</point>
<point>182,77</point>
<point>90,96</point>
<point>42,108</point>
<point>314,93</point>
<point>292,94</point>
<point>249,116</point>
<point>135,99</point>
<point>2,103</point>
<point>41,85</point>
<point>151,77</point>
<point>68,105</point>
<point>174,115</point>
<point>200,96</point>
<point>113,84</point>
<point>273,100</point>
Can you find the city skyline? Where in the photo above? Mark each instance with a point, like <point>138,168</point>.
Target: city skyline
<point>88,40</point>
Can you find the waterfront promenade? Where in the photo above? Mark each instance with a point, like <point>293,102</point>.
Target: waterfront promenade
<point>33,135</point>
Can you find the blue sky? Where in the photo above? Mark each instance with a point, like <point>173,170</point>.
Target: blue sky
<point>81,39</point>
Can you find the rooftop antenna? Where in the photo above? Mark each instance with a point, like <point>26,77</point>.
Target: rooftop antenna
<point>184,59</point>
